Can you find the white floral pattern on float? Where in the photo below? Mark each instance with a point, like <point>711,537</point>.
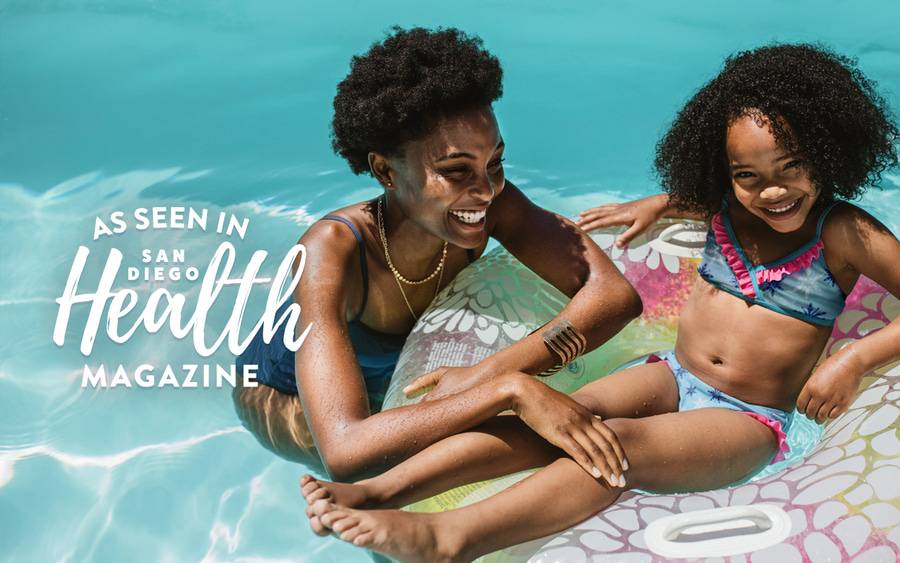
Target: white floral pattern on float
<point>843,500</point>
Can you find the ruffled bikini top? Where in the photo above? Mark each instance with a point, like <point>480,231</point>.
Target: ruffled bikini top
<point>798,285</point>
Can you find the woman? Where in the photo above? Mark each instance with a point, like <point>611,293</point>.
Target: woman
<point>415,113</point>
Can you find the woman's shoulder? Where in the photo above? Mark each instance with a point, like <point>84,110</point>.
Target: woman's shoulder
<point>343,227</point>
<point>337,236</point>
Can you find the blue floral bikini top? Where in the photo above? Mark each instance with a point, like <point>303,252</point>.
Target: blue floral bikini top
<point>798,285</point>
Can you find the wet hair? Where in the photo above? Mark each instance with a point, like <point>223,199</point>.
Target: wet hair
<point>817,104</point>
<point>398,90</point>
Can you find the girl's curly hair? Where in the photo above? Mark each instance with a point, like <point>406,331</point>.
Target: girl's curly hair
<point>403,85</point>
<point>816,102</point>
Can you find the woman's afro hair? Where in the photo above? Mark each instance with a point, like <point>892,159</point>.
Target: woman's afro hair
<point>400,88</point>
<point>817,104</point>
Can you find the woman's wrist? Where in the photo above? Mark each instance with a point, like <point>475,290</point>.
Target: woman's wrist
<point>514,387</point>
<point>529,355</point>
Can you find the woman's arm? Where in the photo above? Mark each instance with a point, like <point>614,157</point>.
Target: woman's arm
<point>863,246</point>
<point>602,300</point>
<point>352,442</point>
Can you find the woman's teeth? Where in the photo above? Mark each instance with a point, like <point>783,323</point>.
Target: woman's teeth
<point>783,208</point>
<point>469,216</point>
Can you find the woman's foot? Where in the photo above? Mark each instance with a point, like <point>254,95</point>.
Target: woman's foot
<point>405,536</point>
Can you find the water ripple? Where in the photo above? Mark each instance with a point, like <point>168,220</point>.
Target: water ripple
<point>8,458</point>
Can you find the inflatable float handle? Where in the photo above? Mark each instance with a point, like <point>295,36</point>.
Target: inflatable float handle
<point>685,240</point>
<point>718,532</point>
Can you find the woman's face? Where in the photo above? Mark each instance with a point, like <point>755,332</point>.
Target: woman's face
<point>770,183</point>
<point>445,182</point>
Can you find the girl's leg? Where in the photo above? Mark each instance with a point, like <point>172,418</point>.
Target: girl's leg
<point>668,453</point>
<point>637,392</point>
<point>499,447</point>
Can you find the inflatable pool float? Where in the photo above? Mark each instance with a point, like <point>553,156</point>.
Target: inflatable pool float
<point>836,497</point>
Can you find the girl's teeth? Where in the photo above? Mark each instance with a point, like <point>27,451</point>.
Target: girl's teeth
<point>782,209</point>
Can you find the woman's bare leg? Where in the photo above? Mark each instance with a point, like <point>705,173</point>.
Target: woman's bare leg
<point>498,447</point>
<point>276,420</point>
<point>668,453</point>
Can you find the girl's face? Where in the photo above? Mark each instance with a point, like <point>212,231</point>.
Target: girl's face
<point>770,183</point>
<point>445,182</point>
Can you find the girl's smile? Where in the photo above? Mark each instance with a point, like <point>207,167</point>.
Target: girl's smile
<point>784,210</point>
<point>770,183</point>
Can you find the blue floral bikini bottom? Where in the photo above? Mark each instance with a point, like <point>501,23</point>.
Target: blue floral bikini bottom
<point>694,393</point>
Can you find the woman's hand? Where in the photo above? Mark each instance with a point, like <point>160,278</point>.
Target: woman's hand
<point>446,381</point>
<point>570,426</point>
<point>637,215</point>
<point>832,387</point>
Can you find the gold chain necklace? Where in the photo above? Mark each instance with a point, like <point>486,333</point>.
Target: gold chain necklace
<point>387,255</point>
<point>439,271</point>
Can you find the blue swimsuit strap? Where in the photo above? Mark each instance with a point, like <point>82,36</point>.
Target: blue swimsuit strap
<point>363,266</point>
<point>822,217</point>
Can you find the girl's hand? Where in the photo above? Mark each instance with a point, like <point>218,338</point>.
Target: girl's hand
<point>446,381</point>
<point>832,387</point>
<point>570,426</point>
<point>638,215</point>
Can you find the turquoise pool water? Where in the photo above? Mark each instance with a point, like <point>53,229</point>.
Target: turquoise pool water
<point>225,105</point>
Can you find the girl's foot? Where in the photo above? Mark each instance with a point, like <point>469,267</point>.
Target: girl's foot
<point>405,536</point>
<point>351,495</point>
<point>345,494</point>
<point>307,483</point>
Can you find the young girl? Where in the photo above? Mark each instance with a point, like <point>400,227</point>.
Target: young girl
<point>768,151</point>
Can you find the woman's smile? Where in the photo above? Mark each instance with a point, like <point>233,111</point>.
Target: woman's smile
<point>470,219</point>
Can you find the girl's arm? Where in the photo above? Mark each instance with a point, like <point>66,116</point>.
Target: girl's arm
<point>863,246</point>
<point>352,442</point>
<point>637,215</point>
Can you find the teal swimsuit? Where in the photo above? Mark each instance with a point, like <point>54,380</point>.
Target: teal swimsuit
<point>798,285</point>
<point>376,352</point>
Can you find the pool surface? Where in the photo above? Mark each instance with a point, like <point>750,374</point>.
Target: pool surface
<point>225,105</point>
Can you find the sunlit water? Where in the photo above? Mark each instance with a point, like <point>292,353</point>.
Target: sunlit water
<point>225,105</point>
